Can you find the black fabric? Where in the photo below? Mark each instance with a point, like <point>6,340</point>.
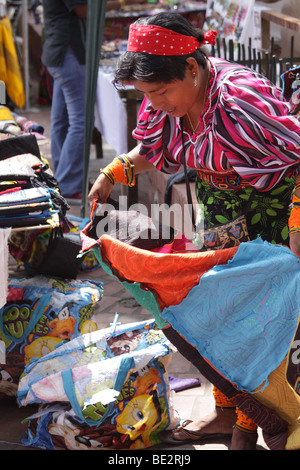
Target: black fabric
<point>63,28</point>
<point>267,217</point>
<point>192,355</point>
<point>61,259</point>
<point>18,145</point>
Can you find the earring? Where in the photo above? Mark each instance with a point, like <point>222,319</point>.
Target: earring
<point>195,79</point>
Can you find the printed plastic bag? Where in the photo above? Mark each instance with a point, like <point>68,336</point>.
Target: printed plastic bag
<point>109,390</point>
<point>40,313</point>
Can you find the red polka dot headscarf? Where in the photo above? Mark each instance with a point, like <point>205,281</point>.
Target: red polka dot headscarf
<point>157,40</point>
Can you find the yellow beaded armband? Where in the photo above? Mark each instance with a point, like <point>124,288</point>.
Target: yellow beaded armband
<point>120,170</point>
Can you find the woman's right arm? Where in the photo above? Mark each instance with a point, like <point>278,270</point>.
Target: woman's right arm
<point>102,187</point>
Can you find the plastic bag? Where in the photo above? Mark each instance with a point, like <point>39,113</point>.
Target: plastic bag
<point>39,314</point>
<point>109,389</point>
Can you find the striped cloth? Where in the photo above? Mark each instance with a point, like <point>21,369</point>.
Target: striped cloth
<point>245,125</point>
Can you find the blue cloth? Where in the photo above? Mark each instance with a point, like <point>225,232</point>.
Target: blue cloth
<point>67,123</point>
<point>242,316</point>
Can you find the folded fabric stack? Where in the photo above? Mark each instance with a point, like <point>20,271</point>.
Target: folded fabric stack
<point>29,195</point>
<point>26,208</point>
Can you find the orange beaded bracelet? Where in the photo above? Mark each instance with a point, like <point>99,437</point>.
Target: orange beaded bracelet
<point>120,170</point>
<point>294,219</point>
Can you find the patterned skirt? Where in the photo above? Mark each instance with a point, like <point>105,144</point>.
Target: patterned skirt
<point>224,197</point>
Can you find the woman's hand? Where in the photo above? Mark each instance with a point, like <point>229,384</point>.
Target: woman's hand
<point>101,189</point>
<point>295,243</point>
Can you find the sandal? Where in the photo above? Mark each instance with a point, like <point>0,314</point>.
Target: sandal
<point>167,436</point>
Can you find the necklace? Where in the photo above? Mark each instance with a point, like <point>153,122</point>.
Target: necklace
<point>194,129</point>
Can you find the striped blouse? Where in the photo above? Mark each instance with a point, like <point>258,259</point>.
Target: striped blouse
<point>245,125</point>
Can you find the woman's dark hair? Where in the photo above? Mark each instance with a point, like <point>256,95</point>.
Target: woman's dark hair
<point>153,68</point>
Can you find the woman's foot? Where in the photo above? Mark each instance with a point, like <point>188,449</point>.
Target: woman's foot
<point>220,421</point>
<point>243,440</point>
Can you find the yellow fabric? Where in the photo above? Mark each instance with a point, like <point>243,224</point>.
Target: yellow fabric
<point>280,397</point>
<point>9,66</point>
<point>5,114</point>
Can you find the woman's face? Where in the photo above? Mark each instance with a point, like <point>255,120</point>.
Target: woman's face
<point>175,98</point>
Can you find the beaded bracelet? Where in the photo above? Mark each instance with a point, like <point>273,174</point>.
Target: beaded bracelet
<point>120,170</point>
<point>295,199</point>
<point>294,218</point>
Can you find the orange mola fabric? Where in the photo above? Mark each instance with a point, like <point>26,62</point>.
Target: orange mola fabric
<point>169,276</point>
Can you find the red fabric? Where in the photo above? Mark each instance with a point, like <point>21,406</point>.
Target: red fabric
<point>156,40</point>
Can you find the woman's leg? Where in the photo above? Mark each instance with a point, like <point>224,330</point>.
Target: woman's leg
<point>59,123</point>
<point>224,418</point>
<point>69,81</point>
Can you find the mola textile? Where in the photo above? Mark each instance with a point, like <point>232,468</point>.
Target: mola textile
<point>240,305</point>
<point>242,316</point>
<point>157,280</point>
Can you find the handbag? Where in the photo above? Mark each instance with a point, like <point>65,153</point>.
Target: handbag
<point>61,258</point>
<point>220,236</point>
<point>226,235</point>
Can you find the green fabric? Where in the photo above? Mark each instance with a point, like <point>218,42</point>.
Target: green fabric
<point>267,216</point>
<point>144,297</point>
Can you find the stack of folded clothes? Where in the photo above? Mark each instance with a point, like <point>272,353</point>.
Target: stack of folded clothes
<point>26,208</point>
<point>29,194</point>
